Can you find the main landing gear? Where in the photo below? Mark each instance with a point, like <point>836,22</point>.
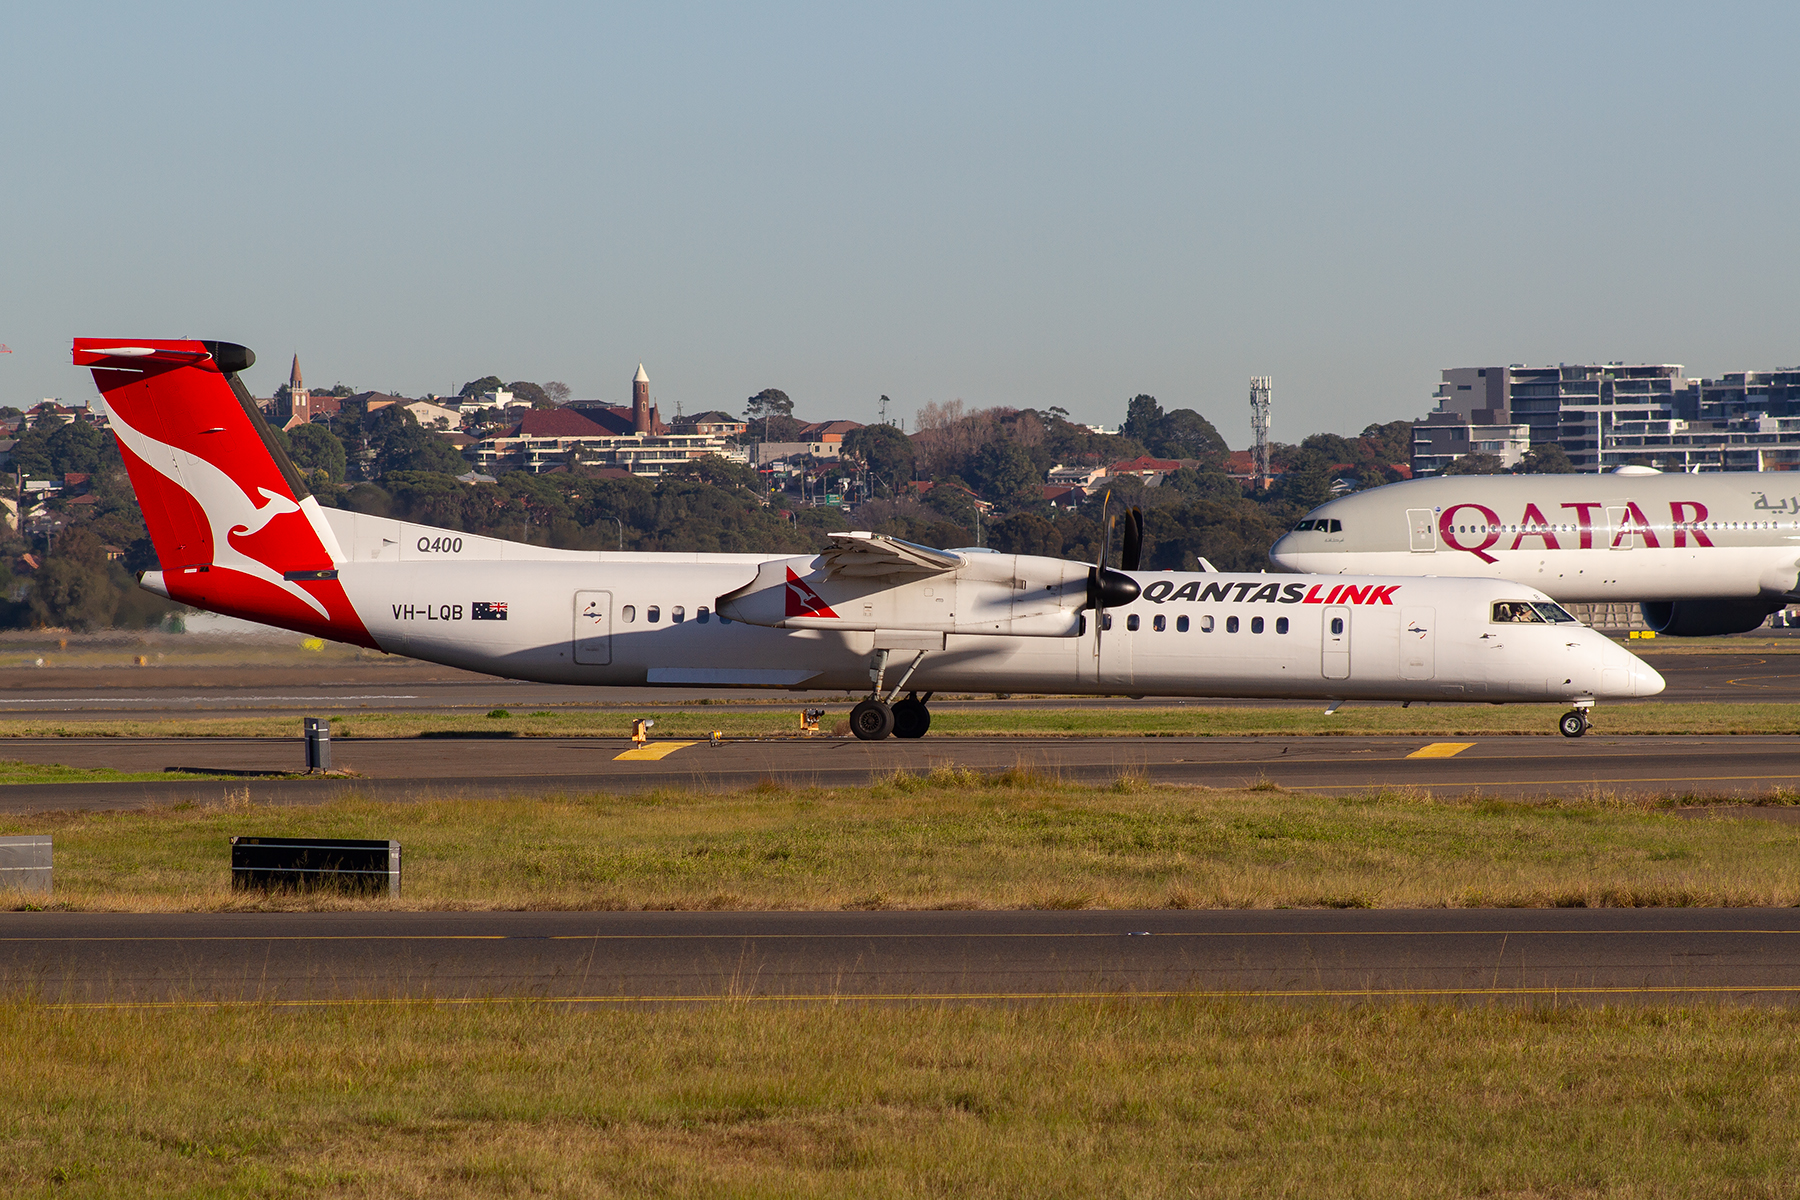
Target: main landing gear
<point>1575,722</point>
<point>876,718</point>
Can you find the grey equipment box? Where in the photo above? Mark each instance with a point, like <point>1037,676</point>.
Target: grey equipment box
<point>25,863</point>
<point>344,864</point>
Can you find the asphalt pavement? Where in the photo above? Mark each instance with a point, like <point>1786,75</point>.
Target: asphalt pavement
<point>1538,956</point>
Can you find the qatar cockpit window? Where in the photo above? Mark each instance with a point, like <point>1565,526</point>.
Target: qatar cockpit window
<point>1530,612</point>
<point>1322,525</point>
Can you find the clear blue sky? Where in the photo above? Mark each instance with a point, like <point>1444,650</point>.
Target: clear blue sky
<point>1003,204</point>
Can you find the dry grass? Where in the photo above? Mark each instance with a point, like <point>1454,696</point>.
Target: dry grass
<point>956,839</point>
<point>1106,1099</point>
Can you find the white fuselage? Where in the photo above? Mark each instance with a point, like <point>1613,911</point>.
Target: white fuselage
<point>1579,538</point>
<point>528,612</point>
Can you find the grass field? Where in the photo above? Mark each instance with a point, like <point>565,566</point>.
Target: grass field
<point>953,840</point>
<point>24,772</point>
<point>1108,1099</point>
<point>766,721</point>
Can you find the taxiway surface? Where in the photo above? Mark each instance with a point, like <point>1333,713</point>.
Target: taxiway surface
<point>476,767</point>
<point>1560,956</point>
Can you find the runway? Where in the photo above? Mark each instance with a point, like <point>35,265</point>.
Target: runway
<point>476,767</point>
<point>1539,956</point>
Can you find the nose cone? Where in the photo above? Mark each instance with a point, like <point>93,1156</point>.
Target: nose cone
<point>1625,674</point>
<point>1283,552</point>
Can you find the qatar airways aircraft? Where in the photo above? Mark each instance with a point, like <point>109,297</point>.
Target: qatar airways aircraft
<point>1700,554</point>
<point>236,532</point>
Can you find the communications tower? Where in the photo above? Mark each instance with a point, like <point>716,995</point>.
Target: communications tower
<point>1259,427</point>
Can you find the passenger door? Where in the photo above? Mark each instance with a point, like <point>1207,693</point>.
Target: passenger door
<point>1421,526</point>
<point>1336,657</point>
<point>593,628</point>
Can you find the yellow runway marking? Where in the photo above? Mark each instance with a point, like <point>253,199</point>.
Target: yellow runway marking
<point>1441,750</point>
<point>650,753</point>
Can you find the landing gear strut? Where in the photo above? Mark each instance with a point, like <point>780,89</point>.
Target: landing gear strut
<point>876,718</point>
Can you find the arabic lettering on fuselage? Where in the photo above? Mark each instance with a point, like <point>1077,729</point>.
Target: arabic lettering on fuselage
<point>1259,591</point>
<point>1477,529</point>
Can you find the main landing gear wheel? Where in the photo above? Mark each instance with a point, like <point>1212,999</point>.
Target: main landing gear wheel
<point>911,718</point>
<point>871,720</point>
<point>1574,723</point>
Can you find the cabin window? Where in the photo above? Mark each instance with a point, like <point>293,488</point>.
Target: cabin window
<point>1161,623</point>
<point>1081,625</point>
<point>653,614</point>
<point>628,614</point>
<point>1256,624</point>
<point>1206,623</point>
<point>1181,624</point>
<point>1281,624</point>
<point>1231,625</point>
<point>1337,626</point>
<point>1106,621</point>
<point>678,614</point>
<point>1516,612</point>
<point>1131,622</point>
<point>701,615</point>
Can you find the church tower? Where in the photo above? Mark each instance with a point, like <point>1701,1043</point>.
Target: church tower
<point>640,401</point>
<point>299,402</point>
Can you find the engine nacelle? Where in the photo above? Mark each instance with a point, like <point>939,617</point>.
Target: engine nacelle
<point>1706,618</point>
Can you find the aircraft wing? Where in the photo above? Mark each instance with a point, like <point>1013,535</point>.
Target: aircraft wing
<point>877,556</point>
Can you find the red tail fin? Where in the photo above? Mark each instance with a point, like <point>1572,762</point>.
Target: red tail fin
<point>234,527</point>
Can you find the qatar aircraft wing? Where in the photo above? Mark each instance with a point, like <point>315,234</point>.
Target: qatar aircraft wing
<point>236,532</point>
<point>1702,554</point>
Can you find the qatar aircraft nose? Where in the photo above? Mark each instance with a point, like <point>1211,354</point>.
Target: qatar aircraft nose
<point>1625,674</point>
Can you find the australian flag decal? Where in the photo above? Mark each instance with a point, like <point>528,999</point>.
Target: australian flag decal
<point>482,610</point>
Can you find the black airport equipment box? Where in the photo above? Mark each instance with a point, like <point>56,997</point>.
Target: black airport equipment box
<point>303,864</point>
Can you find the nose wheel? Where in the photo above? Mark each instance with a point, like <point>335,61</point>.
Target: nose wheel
<point>1574,723</point>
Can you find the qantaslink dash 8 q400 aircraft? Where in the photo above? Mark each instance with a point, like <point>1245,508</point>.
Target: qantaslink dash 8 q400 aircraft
<point>1700,554</point>
<point>236,532</point>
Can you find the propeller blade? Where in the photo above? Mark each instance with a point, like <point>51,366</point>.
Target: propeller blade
<point>1132,554</point>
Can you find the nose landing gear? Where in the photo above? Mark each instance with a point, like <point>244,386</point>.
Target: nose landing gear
<point>1575,722</point>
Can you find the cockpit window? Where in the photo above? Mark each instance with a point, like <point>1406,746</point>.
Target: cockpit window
<point>1303,527</point>
<point>1516,612</point>
<point>1322,525</point>
<point>1556,614</point>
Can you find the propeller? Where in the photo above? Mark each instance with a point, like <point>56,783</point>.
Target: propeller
<point>1132,553</point>
<point>1108,588</point>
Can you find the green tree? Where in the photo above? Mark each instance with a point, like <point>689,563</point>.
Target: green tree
<point>1005,476</point>
<point>1390,442</point>
<point>487,383</point>
<point>1143,419</point>
<point>531,393</point>
<point>765,406</point>
<point>885,451</point>
<point>73,588</point>
<point>314,447</point>
<point>401,444</point>
<point>1184,433</point>
<point>1546,459</point>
